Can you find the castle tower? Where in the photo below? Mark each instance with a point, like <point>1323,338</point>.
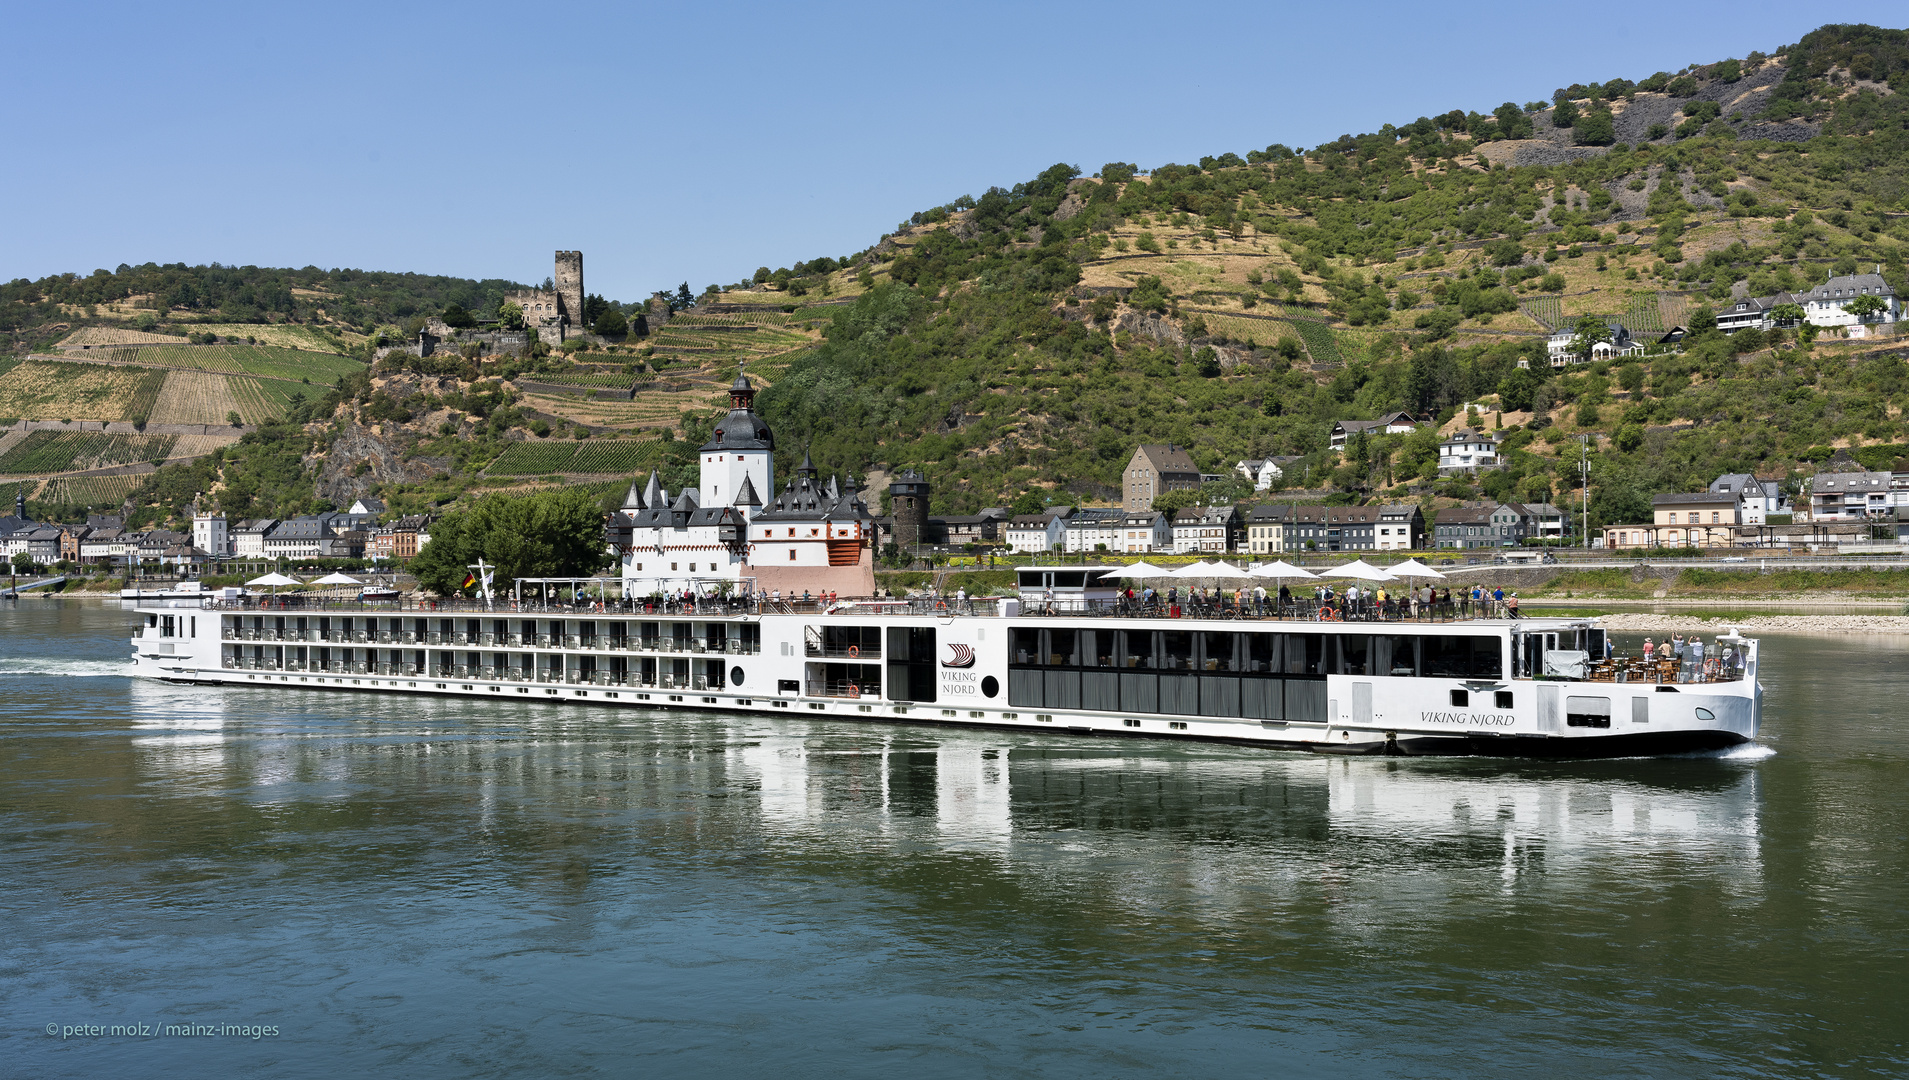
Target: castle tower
<point>908,493</point>
<point>740,453</point>
<point>569,282</point>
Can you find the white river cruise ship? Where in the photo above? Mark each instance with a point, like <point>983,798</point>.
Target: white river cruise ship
<point>1066,660</point>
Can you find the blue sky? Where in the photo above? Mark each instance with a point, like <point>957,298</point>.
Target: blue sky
<point>696,142</point>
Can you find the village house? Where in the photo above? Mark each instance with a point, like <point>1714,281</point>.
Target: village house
<point>1757,499</point>
<point>1093,529</point>
<point>1401,527</point>
<point>1464,527</point>
<point>1683,519</point>
<point>1851,496</point>
<point>1266,529</point>
<point>1204,529</point>
<point>1828,303</point>
<point>1397,423</point>
<point>1467,451</point>
<point>1037,532</point>
<point>1143,532</point>
<point>1558,347</point>
<point>1154,470</point>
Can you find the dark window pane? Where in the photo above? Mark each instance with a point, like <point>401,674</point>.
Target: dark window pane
<point>1025,648</point>
<point>1305,654</point>
<point>1060,648</point>
<point>1139,648</point>
<point>1176,650</point>
<point>1261,652</point>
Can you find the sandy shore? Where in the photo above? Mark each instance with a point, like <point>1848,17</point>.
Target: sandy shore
<point>1641,622</point>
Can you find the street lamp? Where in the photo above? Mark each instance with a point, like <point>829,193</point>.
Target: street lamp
<point>1584,484</point>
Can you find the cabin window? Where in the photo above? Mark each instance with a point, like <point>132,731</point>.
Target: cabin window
<point>1176,650</point>
<point>1305,654</point>
<point>1261,652</point>
<point>1216,651</point>
<point>1138,648</point>
<point>1354,651</point>
<point>1461,657</point>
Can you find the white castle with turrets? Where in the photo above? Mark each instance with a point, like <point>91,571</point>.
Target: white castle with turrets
<point>810,537</point>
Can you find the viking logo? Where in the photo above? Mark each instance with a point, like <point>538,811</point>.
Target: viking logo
<point>959,656</point>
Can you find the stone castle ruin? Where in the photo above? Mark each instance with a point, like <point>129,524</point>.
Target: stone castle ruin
<point>551,314</point>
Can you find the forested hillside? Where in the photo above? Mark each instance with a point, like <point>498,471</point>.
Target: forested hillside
<point>1026,340</point>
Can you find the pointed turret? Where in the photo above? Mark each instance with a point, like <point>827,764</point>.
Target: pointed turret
<point>633,500</point>
<point>807,469</point>
<point>834,491</point>
<point>654,497</point>
<point>747,496</point>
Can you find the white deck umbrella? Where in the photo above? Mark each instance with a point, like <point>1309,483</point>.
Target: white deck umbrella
<point>1201,568</point>
<point>274,580</point>
<point>1217,570</point>
<point>1281,569</point>
<point>338,579</point>
<point>1137,571</point>
<point>1358,570</point>
<point>1412,568</point>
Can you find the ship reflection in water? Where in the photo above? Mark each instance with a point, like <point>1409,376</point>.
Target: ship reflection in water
<point>1142,823</point>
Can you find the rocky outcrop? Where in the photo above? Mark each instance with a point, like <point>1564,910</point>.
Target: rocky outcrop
<point>1158,327</point>
<point>361,458</point>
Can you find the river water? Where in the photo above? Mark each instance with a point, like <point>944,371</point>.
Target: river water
<point>357,885</point>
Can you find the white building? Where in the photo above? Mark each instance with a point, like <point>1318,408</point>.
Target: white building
<point>1203,529</point>
<point>1758,498</point>
<point>809,537</point>
<point>1558,348</point>
<point>1467,451</point>
<point>1093,529</point>
<point>209,533</point>
<point>248,542</point>
<point>1398,423</point>
<point>1037,532</point>
<point>1827,304</point>
<point>1143,532</point>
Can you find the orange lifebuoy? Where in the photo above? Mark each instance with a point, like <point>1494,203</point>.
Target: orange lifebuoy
<point>854,691</point>
<point>1328,615</point>
<point>853,652</point>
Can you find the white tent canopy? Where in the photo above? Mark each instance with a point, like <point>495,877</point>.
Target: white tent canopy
<point>274,580</point>
<point>1358,570</point>
<point>1412,568</point>
<point>1280,569</point>
<point>338,579</point>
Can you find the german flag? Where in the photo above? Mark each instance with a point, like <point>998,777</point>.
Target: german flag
<point>469,580</point>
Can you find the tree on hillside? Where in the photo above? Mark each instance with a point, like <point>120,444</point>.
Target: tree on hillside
<point>1591,331</point>
<point>1028,502</point>
<point>456,317</point>
<point>543,534</point>
<point>1172,502</point>
<point>1786,314</point>
<point>1866,307</point>
<point>612,324</point>
<point>510,316</point>
<point>1595,128</point>
<point>1565,114</point>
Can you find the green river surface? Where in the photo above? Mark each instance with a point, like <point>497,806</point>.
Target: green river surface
<point>327,885</point>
